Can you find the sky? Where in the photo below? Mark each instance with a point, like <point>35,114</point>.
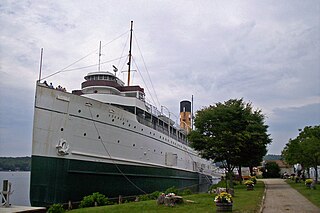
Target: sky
<point>266,52</point>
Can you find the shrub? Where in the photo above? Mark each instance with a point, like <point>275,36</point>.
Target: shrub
<point>186,192</point>
<point>144,197</point>
<point>56,208</point>
<point>155,195</point>
<point>90,200</point>
<point>172,189</point>
<point>152,196</point>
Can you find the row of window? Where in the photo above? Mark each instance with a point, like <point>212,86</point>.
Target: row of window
<point>134,127</point>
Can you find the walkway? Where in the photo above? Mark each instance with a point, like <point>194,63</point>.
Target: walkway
<point>280,197</point>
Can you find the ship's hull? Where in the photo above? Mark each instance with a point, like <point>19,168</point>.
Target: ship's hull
<point>81,146</point>
<point>59,180</point>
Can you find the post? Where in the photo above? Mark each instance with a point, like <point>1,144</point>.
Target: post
<point>6,191</point>
<point>40,64</point>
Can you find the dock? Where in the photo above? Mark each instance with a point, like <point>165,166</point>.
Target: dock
<point>13,209</point>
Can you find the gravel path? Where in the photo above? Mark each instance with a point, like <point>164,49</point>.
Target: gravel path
<point>280,197</point>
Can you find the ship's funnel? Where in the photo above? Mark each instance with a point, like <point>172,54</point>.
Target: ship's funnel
<point>185,115</point>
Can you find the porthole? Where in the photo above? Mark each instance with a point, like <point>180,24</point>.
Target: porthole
<point>160,137</point>
<point>134,127</point>
<point>141,130</point>
<point>154,150</point>
<point>84,134</point>
<point>150,133</point>
<point>97,116</point>
<point>134,145</point>
<point>112,120</point>
<point>79,110</point>
<point>118,141</point>
<point>96,91</point>
<point>123,123</point>
<point>99,137</point>
<point>61,129</point>
<point>129,125</point>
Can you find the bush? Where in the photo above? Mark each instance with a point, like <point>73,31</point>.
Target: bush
<point>172,189</point>
<point>186,192</point>
<point>90,200</point>
<point>144,197</point>
<point>152,196</point>
<point>155,195</point>
<point>56,208</point>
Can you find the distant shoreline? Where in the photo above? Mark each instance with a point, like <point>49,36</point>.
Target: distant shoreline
<point>18,164</point>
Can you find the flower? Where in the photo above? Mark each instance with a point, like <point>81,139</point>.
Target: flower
<point>254,179</point>
<point>249,183</point>
<point>308,181</point>
<point>171,195</point>
<point>223,197</point>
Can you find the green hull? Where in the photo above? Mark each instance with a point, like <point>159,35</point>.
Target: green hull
<point>59,180</point>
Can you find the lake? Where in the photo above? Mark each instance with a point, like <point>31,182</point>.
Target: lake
<point>20,186</point>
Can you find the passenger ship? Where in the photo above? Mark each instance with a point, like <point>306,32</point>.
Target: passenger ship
<point>106,138</point>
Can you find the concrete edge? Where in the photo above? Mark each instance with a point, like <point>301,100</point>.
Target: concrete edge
<point>263,197</point>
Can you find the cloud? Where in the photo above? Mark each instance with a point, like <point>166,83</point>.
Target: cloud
<point>266,52</point>
<point>285,123</point>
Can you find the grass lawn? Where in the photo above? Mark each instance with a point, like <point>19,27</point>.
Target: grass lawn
<point>243,201</point>
<point>310,194</point>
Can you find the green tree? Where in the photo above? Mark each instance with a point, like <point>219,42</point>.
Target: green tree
<point>271,170</point>
<point>227,132</point>
<point>304,149</point>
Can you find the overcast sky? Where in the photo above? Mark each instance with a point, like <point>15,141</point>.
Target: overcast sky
<point>266,52</point>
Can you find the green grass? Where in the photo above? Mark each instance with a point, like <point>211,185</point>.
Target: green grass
<point>312,195</point>
<point>243,201</point>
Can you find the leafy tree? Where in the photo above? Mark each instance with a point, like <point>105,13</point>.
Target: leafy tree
<point>304,149</point>
<point>271,170</point>
<point>230,132</point>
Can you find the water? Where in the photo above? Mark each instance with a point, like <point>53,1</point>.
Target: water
<point>20,186</point>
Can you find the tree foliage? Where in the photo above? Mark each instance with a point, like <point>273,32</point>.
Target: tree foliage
<point>271,170</point>
<point>15,163</point>
<point>230,132</point>
<point>304,149</point>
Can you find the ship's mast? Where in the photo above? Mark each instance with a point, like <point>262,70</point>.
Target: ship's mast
<point>40,64</point>
<point>99,56</point>
<point>129,63</point>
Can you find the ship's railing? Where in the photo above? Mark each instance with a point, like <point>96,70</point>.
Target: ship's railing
<point>161,129</point>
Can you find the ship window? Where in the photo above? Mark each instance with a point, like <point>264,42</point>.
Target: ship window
<point>96,91</point>
<point>84,134</point>
<point>123,123</point>
<point>79,110</point>
<point>112,120</point>
<point>118,141</point>
<point>134,145</point>
<point>134,127</point>
<point>99,137</point>
<point>129,125</point>
<point>97,116</point>
<point>141,130</point>
<point>61,129</point>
